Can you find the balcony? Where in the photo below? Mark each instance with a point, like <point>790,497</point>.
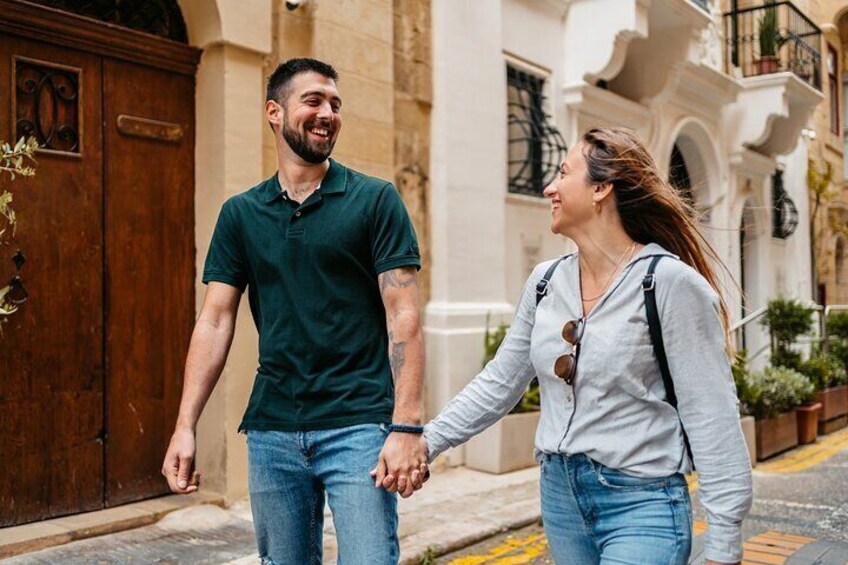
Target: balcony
<point>773,38</point>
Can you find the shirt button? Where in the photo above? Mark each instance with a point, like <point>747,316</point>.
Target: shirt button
<point>297,214</point>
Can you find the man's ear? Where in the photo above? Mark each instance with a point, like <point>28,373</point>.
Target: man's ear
<point>274,114</point>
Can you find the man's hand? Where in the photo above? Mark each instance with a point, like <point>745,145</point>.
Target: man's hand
<point>402,465</point>
<point>179,462</point>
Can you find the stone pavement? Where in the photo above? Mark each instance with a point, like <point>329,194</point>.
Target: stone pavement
<point>457,507</point>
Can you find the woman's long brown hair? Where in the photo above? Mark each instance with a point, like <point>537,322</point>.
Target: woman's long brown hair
<point>651,210</point>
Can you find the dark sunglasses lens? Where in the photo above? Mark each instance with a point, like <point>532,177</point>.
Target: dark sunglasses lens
<point>569,332</point>
<point>563,366</point>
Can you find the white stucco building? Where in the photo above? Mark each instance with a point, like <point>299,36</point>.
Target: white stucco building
<point>662,68</point>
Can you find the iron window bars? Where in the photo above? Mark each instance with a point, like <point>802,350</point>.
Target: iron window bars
<point>535,146</point>
<point>784,212</point>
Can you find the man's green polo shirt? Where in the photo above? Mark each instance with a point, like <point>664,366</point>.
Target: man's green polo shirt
<point>311,273</point>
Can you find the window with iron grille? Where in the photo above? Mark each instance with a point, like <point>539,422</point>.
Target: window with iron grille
<point>536,147</point>
<point>784,212</point>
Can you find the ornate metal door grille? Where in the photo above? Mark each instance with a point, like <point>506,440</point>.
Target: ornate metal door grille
<point>157,17</point>
<point>535,146</point>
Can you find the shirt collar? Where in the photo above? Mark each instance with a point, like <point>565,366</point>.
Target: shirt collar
<point>334,182</point>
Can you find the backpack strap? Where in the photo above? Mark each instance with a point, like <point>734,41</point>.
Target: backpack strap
<point>649,284</point>
<point>542,285</point>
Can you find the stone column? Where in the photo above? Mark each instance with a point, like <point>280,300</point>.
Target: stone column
<point>468,186</point>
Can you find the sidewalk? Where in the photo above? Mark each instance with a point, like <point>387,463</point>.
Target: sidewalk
<point>456,508</point>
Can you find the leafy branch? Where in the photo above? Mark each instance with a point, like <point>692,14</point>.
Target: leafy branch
<point>17,160</point>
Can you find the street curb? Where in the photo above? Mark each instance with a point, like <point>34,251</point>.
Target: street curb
<point>419,555</point>
<point>27,538</point>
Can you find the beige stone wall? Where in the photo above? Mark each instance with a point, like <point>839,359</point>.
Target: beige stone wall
<point>413,96</point>
<point>828,147</point>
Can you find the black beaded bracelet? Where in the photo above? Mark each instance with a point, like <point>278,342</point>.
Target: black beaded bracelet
<point>406,429</point>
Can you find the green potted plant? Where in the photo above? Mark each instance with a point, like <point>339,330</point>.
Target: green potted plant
<point>828,374</point>
<point>747,396</point>
<point>770,40</point>
<point>508,444</point>
<point>786,319</point>
<point>778,391</point>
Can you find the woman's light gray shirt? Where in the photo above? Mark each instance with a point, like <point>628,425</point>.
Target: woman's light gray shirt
<point>617,413</point>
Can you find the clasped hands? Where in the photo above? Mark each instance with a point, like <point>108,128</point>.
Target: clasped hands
<point>402,465</point>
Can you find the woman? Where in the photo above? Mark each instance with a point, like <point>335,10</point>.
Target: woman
<point>611,447</point>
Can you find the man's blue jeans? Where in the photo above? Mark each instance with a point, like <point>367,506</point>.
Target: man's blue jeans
<point>289,473</point>
<point>596,515</point>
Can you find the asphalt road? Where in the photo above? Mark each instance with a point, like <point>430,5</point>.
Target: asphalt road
<point>799,516</point>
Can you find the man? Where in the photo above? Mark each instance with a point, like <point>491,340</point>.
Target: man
<point>330,259</point>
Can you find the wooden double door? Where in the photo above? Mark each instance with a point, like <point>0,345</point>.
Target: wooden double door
<point>91,366</point>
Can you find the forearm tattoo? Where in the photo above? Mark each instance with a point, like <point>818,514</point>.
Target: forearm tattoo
<point>396,355</point>
<point>398,278</point>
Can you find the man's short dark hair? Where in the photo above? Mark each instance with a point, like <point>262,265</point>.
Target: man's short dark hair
<point>279,80</point>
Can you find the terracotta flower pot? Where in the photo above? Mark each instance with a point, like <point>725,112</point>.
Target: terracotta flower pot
<point>808,420</point>
<point>767,65</point>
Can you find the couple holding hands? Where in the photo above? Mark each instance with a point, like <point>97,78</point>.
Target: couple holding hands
<point>627,337</point>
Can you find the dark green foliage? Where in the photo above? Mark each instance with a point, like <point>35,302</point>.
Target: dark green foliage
<point>786,319</point>
<point>531,401</point>
<point>776,390</point>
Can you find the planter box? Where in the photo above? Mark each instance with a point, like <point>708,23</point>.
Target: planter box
<point>749,431</point>
<point>834,403</point>
<point>834,412</point>
<point>505,446</point>
<point>776,435</point>
<point>808,419</point>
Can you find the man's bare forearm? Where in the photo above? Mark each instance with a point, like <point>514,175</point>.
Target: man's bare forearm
<point>210,344</point>
<point>399,288</point>
<point>406,355</point>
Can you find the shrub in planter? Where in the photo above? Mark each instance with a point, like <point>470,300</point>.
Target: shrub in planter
<point>786,319</point>
<point>825,371</point>
<point>778,391</point>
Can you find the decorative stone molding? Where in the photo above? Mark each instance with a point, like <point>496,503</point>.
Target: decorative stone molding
<point>245,24</point>
<point>596,48</point>
<point>770,113</point>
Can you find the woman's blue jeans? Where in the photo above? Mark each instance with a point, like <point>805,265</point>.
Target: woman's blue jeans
<point>289,474</point>
<point>596,515</point>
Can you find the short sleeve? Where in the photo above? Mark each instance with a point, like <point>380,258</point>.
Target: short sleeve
<point>393,240</point>
<point>225,261</point>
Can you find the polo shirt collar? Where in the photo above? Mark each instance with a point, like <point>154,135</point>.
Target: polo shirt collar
<point>334,182</point>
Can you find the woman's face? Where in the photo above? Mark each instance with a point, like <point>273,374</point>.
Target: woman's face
<point>570,193</point>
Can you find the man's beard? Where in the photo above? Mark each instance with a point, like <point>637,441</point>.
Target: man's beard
<point>314,153</point>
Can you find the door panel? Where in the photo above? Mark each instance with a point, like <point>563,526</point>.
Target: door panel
<point>51,354</point>
<point>149,227</point>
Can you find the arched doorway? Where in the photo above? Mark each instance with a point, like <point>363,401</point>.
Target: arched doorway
<point>92,363</point>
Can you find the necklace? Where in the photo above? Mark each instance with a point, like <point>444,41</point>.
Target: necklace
<point>627,251</point>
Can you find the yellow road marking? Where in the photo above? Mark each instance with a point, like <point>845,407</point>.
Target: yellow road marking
<point>808,456</point>
<point>772,548</point>
<point>514,551</point>
<point>699,527</point>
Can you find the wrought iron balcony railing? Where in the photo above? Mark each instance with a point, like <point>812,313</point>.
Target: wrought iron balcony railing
<point>772,38</point>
